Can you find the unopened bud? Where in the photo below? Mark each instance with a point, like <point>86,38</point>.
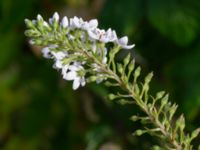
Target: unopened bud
<point>131,66</point>
<point>160,94</point>
<point>111,96</point>
<point>127,59</point>
<point>148,77</point>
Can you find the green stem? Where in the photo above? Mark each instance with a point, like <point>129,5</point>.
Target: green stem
<point>155,121</point>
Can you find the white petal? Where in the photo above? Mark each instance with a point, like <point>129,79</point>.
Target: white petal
<point>31,42</point>
<point>92,35</point>
<point>94,47</point>
<point>113,36</point>
<point>64,70</point>
<point>39,17</point>
<point>71,37</point>
<point>56,16</point>
<point>34,21</point>
<point>128,46</point>
<point>123,40</point>
<point>76,22</point>
<point>46,52</point>
<point>104,60</point>
<point>59,55</point>
<point>45,24</point>
<point>104,39</point>
<point>50,20</point>
<point>73,68</point>
<point>76,84</point>
<point>70,75</point>
<point>64,22</point>
<point>82,81</point>
<point>93,24</point>
<point>109,31</point>
<point>58,64</point>
<point>105,51</point>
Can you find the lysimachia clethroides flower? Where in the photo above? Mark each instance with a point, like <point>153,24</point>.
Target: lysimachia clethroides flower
<point>68,40</point>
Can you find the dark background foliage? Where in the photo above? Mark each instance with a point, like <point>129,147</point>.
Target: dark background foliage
<point>39,110</point>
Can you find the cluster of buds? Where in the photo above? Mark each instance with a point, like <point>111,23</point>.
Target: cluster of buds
<point>66,41</point>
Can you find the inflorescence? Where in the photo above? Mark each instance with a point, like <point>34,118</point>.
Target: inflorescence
<point>75,33</point>
<point>85,53</point>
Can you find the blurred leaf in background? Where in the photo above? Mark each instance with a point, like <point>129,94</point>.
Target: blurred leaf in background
<point>39,110</point>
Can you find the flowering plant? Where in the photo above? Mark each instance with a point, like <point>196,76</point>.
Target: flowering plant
<point>84,53</point>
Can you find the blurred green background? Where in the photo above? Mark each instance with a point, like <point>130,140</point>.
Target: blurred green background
<point>40,111</point>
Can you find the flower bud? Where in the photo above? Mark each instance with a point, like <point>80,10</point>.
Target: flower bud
<point>148,78</point>
<point>139,132</point>
<point>120,68</point>
<point>160,94</point>
<point>131,66</point>
<point>127,59</point>
<point>111,96</point>
<point>29,23</point>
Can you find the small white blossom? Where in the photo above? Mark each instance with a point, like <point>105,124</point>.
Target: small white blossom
<point>76,22</point>
<point>58,57</point>
<point>64,68</point>
<point>96,33</point>
<point>102,35</point>
<point>58,64</point>
<point>46,52</point>
<point>91,25</point>
<point>123,43</point>
<point>64,22</point>
<point>73,74</point>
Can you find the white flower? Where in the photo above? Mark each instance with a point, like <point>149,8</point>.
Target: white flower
<point>46,52</point>
<point>102,35</point>
<point>76,22</point>
<point>58,57</point>
<point>123,43</point>
<point>72,73</point>
<point>64,22</point>
<point>58,64</point>
<point>65,69</point>
<point>91,25</point>
<point>96,33</point>
<point>84,25</point>
<point>111,35</point>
